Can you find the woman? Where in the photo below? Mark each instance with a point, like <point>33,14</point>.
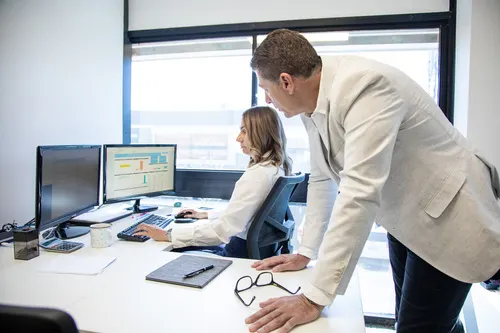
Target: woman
<point>262,138</point>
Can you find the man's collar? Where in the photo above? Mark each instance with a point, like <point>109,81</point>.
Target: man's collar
<point>328,70</point>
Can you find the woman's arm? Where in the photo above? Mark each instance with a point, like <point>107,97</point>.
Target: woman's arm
<point>249,193</point>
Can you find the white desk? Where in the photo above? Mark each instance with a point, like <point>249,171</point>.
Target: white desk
<point>121,300</point>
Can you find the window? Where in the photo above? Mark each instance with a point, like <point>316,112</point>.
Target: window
<point>414,52</point>
<point>192,93</point>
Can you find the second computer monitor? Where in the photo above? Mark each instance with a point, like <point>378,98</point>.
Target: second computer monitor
<point>138,171</point>
<point>67,184</point>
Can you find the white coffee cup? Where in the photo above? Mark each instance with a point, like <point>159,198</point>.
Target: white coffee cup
<point>100,235</point>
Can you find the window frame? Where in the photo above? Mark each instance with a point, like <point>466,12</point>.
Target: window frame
<point>188,180</point>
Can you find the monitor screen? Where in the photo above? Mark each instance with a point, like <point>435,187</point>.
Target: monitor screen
<point>132,171</point>
<point>67,182</point>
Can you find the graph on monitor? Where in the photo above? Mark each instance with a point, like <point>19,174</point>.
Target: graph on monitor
<point>138,170</point>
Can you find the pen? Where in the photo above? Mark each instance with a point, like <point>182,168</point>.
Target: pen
<point>199,271</point>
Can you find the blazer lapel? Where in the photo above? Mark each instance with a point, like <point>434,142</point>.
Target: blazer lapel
<point>322,149</point>
<point>323,129</point>
<point>330,156</point>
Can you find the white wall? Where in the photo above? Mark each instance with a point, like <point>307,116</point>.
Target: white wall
<point>462,64</point>
<point>61,65</point>
<point>158,14</point>
<point>477,106</point>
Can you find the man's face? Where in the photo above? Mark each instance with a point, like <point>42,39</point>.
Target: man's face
<point>280,94</point>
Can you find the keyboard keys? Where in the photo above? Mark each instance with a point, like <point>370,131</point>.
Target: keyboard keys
<point>152,219</point>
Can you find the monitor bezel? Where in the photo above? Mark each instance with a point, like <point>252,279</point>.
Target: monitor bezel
<point>38,195</point>
<point>138,196</point>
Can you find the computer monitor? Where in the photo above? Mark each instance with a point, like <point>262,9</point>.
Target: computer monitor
<point>67,184</point>
<point>138,171</point>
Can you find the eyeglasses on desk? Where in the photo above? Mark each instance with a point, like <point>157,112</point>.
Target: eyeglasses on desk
<point>262,280</point>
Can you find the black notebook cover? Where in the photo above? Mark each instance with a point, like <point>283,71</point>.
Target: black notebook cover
<point>174,271</point>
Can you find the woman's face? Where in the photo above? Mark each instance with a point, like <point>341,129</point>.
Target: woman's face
<point>243,139</point>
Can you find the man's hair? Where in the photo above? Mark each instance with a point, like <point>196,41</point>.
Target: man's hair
<point>285,51</point>
<point>267,138</point>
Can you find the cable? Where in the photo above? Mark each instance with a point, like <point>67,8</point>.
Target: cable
<point>29,223</point>
<point>97,208</point>
<point>9,226</point>
<point>48,234</point>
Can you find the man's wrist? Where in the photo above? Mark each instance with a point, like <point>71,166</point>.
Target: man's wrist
<point>316,305</point>
<point>304,257</point>
<point>308,252</point>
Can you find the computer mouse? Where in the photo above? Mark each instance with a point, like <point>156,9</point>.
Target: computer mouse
<point>181,215</point>
<point>184,220</point>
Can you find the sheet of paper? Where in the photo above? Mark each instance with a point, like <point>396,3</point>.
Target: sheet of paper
<point>78,264</point>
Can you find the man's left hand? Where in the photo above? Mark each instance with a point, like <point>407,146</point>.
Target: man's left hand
<point>283,312</point>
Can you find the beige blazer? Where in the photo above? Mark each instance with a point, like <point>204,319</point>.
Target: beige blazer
<point>398,161</point>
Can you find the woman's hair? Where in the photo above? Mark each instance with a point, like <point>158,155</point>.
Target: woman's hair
<point>267,137</point>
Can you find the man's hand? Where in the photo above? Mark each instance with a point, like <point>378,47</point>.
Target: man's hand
<point>281,263</point>
<point>283,312</point>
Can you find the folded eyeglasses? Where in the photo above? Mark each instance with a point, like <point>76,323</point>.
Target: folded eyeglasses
<point>262,280</point>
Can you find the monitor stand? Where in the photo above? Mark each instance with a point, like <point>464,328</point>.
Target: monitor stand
<point>67,231</point>
<point>137,208</point>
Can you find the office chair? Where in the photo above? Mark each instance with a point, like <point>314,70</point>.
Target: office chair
<point>30,319</point>
<point>272,226</point>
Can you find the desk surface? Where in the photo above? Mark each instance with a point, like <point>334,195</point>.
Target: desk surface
<point>121,300</point>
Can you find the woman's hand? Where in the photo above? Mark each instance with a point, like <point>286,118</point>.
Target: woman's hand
<point>152,231</point>
<point>191,213</point>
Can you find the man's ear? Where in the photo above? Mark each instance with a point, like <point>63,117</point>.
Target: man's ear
<point>287,82</point>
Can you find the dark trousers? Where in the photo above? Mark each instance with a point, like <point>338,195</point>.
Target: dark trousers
<point>427,300</point>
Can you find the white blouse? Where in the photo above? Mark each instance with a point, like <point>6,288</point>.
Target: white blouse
<point>249,193</point>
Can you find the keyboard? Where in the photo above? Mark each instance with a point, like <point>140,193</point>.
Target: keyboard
<point>152,219</point>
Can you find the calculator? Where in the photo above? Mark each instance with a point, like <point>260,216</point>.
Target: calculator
<point>62,246</point>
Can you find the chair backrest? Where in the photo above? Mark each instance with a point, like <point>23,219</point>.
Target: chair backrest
<point>273,223</point>
<point>31,319</point>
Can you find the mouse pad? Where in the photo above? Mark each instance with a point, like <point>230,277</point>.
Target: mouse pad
<point>173,272</point>
<point>185,220</point>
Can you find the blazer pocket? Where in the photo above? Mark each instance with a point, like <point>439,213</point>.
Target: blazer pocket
<point>445,194</point>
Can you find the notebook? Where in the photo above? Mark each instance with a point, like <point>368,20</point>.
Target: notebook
<point>174,271</point>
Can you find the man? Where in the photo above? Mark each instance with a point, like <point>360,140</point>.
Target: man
<point>398,161</point>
